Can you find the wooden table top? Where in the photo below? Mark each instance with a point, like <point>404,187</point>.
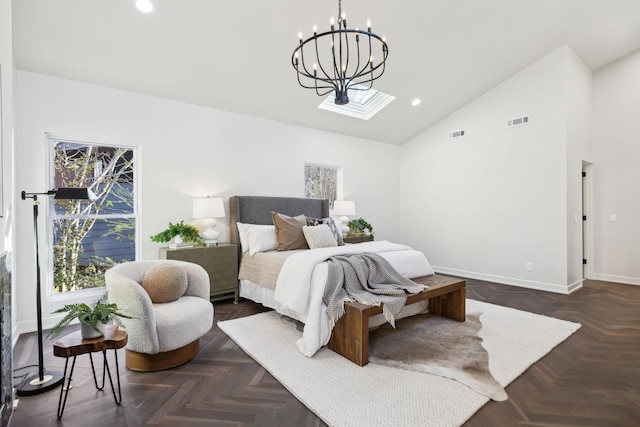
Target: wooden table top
<point>74,345</point>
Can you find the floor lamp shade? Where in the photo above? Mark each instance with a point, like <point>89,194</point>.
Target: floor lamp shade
<point>209,208</point>
<point>74,193</point>
<point>45,380</point>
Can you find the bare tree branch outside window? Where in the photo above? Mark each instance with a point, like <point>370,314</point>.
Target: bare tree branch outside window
<point>321,182</point>
<point>89,236</point>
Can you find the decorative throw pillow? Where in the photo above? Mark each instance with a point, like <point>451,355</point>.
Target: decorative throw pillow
<point>165,282</point>
<point>289,231</point>
<point>244,238</point>
<point>319,236</point>
<point>261,238</point>
<point>337,232</point>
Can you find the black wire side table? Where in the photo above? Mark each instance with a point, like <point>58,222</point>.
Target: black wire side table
<point>74,345</point>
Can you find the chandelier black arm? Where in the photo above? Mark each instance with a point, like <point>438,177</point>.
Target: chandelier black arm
<point>370,80</point>
<point>344,67</point>
<point>328,78</point>
<point>300,49</point>
<point>316,87</point>
<point>368,64</point>
<point>306,74</point>
<point>373,69</point>
<point>357,37</point>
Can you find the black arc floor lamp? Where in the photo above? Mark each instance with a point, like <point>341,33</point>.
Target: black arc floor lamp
<point>41,382</point>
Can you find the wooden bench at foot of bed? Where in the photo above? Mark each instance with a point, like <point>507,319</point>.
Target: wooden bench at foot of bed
<point>350,336</point>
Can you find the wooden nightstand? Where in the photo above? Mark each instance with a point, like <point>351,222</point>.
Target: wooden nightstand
<point>220,262</point>
<point>358,239</point>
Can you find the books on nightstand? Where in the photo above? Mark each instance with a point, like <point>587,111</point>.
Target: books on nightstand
<point>180,245</point>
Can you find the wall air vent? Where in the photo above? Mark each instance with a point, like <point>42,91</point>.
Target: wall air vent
<point>456,134</point>
<point>518,121</point>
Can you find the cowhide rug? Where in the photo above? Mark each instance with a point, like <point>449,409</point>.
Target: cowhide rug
<point>439,346</point>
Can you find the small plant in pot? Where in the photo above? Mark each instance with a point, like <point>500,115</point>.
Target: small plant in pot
<point>93,318</point>
<point>180,232</point>
<point>360,227</point>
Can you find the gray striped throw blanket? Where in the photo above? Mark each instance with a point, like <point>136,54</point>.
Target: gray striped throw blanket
<point>368,279</point>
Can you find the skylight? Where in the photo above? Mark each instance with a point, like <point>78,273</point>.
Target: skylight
<point>363,104</point>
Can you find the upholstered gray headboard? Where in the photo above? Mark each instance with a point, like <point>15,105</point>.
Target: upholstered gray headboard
<point>257,210</point>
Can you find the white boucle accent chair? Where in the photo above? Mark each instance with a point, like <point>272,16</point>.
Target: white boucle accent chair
<point>162,335</point>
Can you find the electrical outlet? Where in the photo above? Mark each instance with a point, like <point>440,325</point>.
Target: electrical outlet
<point>529,266</point>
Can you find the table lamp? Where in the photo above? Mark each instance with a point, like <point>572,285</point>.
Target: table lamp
<point>209,208</point>
<point>343,209</point>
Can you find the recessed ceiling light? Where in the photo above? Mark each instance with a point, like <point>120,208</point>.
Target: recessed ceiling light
<point>416,102</point>
<point>144,6</point>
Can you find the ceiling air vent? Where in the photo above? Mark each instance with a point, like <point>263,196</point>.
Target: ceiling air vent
<point>518,121</point>
<point>456,134</point>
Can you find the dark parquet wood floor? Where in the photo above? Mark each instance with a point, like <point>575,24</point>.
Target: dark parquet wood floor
<point>592,379</point>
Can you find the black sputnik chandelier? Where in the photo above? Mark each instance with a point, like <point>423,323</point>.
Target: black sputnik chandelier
<point>340,60</point>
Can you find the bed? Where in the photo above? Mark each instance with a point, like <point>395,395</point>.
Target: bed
<point>292,281</point>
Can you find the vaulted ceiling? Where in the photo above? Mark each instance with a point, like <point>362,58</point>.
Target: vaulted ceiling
<point>236,55</point>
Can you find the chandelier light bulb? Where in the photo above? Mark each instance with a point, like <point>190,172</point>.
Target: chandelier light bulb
<point>369,24</point>
<point>332,20</point>
<point>315,29</point>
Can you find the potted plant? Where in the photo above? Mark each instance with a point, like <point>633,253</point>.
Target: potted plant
<point>180,232</point>
<point>360,227</point>
<point>92,317</point>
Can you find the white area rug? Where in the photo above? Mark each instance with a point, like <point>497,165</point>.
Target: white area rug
<point>343,394</point>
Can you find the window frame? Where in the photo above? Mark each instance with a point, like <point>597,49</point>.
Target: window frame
<point>338,179</point>
<point>51,217</point>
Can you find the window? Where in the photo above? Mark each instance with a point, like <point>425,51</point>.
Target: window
<point>321,181</point>
<point>89,236</point>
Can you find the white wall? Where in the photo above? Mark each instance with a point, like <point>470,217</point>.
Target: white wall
<point>485,205</point>
<point>579,106</point>
<point>616,91</point>
<point>186,151</point>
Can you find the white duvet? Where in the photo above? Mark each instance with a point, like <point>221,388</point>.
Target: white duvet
<point>301,283</point>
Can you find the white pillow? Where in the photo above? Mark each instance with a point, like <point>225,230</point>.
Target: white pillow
<point>319,236</point>
<point>261,238</point>
<point>244,238</point>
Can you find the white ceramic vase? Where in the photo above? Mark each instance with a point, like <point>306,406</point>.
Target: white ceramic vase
<point>88,332</point>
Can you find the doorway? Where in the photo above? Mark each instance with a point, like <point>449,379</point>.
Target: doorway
<point>587,220</point>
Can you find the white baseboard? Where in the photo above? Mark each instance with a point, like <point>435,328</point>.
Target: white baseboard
<point>617,279</point>
<point>529,284</point>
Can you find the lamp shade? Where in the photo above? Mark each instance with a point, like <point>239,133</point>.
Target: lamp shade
<point>208,207</point>
<point>344,207</point>
<point>74,193</point>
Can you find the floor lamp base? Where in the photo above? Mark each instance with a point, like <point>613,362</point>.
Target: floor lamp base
<point>32,385</point>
